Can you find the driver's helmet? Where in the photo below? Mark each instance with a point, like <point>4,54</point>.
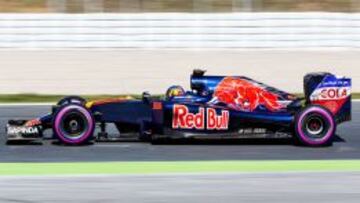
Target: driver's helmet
<point>175,91</point>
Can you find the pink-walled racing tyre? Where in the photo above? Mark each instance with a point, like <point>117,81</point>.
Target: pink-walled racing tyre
<point>73,124</point>
<point>315,126</point>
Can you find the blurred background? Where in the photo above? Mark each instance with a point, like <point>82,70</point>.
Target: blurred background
<point>129,46</point>
<point>114,6</point>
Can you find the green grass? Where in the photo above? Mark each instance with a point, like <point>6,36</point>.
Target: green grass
<point>29,98</point>
<point>177,167</point>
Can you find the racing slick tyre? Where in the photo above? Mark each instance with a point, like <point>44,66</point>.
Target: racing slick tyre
<point>315,126</point>
<point>73,124</point>
<point>71,100</point>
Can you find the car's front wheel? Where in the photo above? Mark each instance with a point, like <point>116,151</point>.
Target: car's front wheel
<point>73,124</point>
<point>315,126</point>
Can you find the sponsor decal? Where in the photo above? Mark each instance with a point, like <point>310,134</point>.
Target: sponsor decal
<point>157,106</point>
<point>32,123</point>
<point>217,122</point>
<point>335,81</point>
<point>15,130</point>
<point>245,95</point>
<point>252,131</point>
<point>183,119</point>
<point>330,93</point>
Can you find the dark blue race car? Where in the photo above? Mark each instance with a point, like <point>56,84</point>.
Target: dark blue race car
<point>216,107</point>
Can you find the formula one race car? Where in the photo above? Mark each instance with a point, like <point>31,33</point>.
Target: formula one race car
<point>219,107</point>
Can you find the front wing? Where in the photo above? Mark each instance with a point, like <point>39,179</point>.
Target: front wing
<point>20,130</point>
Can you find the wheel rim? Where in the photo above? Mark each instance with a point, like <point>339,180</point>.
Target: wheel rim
<point>315,126</point>
<point>74,125</point>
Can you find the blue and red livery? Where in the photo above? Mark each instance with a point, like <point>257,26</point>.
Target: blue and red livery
<point>216,107</point>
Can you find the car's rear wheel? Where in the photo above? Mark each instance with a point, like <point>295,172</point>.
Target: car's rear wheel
<point>73,124</point>
<point>315,126</point>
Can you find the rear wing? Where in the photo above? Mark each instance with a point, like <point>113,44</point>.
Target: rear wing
<point>330,91</point>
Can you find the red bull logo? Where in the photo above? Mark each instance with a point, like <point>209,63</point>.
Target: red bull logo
<point>183,119</point>
<point>245,95</point>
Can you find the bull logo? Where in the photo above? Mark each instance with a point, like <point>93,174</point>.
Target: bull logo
<point>245,95</point>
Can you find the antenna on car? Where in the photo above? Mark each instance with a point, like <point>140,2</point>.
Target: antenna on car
<point>198,72</point>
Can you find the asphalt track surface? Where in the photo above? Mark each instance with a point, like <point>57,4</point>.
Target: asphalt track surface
<point>347,146</point>
<point>268,187</point>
